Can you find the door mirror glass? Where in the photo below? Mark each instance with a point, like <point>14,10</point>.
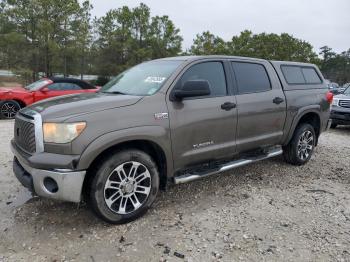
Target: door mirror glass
<point>193,88</point>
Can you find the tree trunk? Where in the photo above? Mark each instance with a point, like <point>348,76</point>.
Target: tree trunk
<point>82,64</point>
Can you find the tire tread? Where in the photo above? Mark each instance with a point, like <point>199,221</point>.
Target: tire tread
<point>289,151</point>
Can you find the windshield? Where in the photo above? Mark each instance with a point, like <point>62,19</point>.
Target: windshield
<point>347,91</point>
<point>143,80</point>
<point>38,84</point>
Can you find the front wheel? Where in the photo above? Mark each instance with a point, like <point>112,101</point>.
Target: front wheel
<point>8,109</point>
<point>124,187</point>
<point>299,150</point>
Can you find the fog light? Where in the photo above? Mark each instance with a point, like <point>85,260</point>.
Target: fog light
<point>50,185</point>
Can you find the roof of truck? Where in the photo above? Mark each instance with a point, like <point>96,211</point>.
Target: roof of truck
<point>290,63</point>
<point>192,58</point>
<point>188,58</point>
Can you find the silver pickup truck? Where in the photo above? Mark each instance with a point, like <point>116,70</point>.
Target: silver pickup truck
<point>168,121</point>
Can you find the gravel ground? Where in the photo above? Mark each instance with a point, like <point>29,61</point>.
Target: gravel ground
<point>268,211</point>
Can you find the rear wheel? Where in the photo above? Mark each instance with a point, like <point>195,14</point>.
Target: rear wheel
<point>8,109</point>
<point>299,150</point>
<point>124,187</point>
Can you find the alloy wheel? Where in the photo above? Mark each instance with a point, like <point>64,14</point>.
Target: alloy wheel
<point>305,145</point>
<point>9,110</point>
<point>127,187</point>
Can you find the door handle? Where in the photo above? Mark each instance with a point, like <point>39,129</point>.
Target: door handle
<point>278,100</point>
<point>228,106</point>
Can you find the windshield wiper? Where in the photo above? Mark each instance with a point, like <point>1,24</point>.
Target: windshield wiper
<point>114,92</point>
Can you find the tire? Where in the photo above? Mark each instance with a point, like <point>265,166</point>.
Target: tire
<point>117,199</point>
<point>299,150</point>
<point>8,109</point>
<point>334,126</point>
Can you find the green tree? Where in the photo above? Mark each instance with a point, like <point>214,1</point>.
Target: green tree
<point>208,44</point>
<point>113,45</point>
<point>49,35</point>
<point>335,67</point>
<point>266,46</point>
<point>326,53</point>
<point>140,30</point>
<point>127,36</point>
<point>164,38</point>
<point>82,38</point>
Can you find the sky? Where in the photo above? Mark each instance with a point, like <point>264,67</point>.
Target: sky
<point>320,22</point>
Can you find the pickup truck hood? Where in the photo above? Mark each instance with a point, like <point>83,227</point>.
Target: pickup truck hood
<point>72,105</point>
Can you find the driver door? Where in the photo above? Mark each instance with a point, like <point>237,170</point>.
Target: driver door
<point>203,128</point>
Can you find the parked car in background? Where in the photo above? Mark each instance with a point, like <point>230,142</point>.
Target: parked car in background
<point>333,85</point>
<point>168,121</point>
<point>340,111</point>
<point>345,86</point>
<point>13,99</point>
<point>335,88</point>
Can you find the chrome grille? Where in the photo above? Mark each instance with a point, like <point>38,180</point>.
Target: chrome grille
<point>344,103</point>
<point>24,133</point>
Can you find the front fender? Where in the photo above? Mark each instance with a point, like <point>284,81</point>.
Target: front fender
<point>23,99</point>
<point>156,134</point>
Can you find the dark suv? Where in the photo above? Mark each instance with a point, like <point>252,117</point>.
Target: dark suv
<point>168,121</point>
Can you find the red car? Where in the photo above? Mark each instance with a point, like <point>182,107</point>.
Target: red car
<point>13,99</point>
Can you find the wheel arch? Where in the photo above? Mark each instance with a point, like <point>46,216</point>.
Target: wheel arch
<point>147,146</point>
<point>157,146</point>
<point>310,116</point>
<point>20,102</point>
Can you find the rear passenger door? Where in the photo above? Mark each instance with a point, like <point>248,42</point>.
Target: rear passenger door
<point>203,128</point>
<point>261,105</point>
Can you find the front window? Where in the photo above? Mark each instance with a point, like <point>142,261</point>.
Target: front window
<point>38,84</point>
<point>213,72</point>
<point>142,80</point>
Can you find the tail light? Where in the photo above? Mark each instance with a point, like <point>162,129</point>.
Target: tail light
<point>329,97</point>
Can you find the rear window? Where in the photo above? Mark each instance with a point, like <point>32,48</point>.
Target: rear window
<point>311,76</point>
<point>251,78</point>
<point>297,75</point>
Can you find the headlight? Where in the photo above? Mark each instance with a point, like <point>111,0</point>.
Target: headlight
<point>335,102</point>
<point>61,133</point>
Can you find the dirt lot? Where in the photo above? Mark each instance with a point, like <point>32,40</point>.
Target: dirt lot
<point>268,211</point>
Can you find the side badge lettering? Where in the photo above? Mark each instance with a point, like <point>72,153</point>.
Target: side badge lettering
<point>160,116</point>
<point>204,144</point>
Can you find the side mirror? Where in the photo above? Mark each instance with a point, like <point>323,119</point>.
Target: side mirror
<point>45,89</point>
<point>192,88</point>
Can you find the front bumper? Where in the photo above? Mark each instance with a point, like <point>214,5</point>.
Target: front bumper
<point>63,185</point>
<point>340,117</point>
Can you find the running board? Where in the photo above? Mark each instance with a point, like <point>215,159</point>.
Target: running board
<point>228,166</point>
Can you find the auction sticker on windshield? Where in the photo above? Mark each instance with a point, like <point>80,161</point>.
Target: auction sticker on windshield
<point>155,79</point>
